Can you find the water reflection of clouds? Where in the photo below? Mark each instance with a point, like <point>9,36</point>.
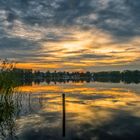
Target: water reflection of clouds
<point>89,109</point>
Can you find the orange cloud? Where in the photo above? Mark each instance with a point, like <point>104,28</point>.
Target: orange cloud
<point>75,50</point>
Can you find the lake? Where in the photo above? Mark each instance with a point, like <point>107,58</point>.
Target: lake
<point>72,111</point>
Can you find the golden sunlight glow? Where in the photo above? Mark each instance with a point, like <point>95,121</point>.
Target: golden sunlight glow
<point>86,109</point>
<point>37,66</point>
<point>78,49</point>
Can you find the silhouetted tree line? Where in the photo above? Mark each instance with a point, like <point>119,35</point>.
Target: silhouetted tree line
<point>27,76</point>
<point>126,76</point>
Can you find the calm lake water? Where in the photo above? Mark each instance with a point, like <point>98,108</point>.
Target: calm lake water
<point>90,111</point>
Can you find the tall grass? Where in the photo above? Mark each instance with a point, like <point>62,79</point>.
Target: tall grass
<point>8,78</point>
<point>9,101</point>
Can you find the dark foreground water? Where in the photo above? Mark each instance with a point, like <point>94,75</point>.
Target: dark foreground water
<point>89,111</point>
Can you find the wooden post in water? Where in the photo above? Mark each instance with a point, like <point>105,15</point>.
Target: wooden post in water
<point>64,116</point>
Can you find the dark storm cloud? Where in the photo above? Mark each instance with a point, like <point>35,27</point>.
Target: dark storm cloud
<point>17,48</point>
<point>120,17</point>
<point>17,44</point>
<point>87,57</point>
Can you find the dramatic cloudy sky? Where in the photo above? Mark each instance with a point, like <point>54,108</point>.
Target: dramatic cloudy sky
<point>70,35</point>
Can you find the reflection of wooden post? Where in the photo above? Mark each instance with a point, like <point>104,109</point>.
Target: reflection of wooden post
<point>64,117</point>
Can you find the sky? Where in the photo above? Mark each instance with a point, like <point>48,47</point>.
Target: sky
<point>71,35</point>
